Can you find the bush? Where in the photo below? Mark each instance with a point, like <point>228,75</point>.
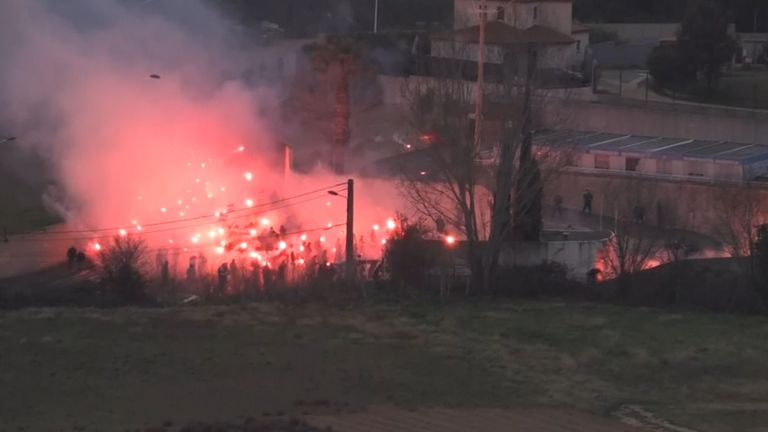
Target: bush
<point>668,69</point>
<point>123,263</point>
<point>548,279</point>
<point>760,261</point>
<point>408,256</point>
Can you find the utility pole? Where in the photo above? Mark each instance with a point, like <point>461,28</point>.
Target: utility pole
<point>480,75</point>
<point>376,17</point>
<point>350,246</point>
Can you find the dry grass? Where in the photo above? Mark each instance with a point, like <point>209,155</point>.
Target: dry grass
<point>113,369</point>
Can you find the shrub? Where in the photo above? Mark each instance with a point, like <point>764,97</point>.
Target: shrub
<point>408,256</point>
<point>760,261</point>
<point>668,69</point>
<point>548,279</point>
<point>123,263</point>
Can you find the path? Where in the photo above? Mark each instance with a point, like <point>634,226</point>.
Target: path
<point>477,420</point>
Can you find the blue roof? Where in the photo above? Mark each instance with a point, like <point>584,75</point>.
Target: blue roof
<point>653,147</point>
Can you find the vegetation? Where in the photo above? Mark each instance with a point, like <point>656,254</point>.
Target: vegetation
<point>203,364</point>
<point>760,258</point>
<point>123,263</point>
<point>704,41</point>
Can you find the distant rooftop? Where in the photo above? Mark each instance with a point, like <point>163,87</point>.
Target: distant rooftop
<point>499,33</point>
<point>653,147</point>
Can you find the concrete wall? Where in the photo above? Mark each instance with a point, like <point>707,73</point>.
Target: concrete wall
<point>578,256</point>
<point>724,171</point>
<point>641,32</point>
<point>659,119</point>
<point>555,15</point>
<point>577,56</point>
<point>622,55</point>
<point>694,206</point>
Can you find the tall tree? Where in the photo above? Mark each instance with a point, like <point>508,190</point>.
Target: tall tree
<point>704,41</point>
<point>342,59</point>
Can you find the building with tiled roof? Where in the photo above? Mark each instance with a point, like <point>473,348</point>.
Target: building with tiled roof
<point>514,27</point>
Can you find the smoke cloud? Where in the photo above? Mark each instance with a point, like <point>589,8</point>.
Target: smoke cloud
<point>129,149</point>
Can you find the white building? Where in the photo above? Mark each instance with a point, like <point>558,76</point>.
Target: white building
<point>659,157</point>
<point>513,27</point>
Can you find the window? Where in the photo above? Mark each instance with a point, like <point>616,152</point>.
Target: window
<point>578,46</point>
<point>696,169</point>
<point>632,164</point>
<point>500,13</point>
<point>535,13</point>
<point>602,162</point>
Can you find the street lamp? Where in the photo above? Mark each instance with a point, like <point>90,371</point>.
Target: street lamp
<point>350,237</point>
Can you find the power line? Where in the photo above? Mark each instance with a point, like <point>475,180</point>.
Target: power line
<point>84,231</point>
<point>194,247</point>
<point>177,228</point>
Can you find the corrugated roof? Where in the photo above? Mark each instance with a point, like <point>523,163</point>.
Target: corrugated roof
<point>654,147</point>
<point>499,33</point>
<point>578,27</point>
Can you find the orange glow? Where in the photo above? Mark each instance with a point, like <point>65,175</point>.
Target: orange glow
<point>450,240</point>
<point>243,245</point>
<point>391,224</point>
<point>249,202</point>
<point>282,245</point>
<point>248,176</point>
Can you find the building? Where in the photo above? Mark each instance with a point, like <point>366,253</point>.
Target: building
<point>660,157</point>
<point>513,27</point>
<point>754,47</point>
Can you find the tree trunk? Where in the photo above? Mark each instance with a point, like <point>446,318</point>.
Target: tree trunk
<point>527,222</point>
<point>341,132</point>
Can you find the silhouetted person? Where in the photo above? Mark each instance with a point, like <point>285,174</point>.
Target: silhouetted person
<point>267,276</point>
<point>593,276</point>
<point>283,231</point>
<point>80,260</point>
<point>164,272</point>
<point>440,226</point>
<point>639,214</point>
<point>71,255</point>
<point>282,273</point>
<point>223,276</point>
<point>587,201</point>
<point>235,273</point>
<point>256,276</point>
<point>190,273</point>
<point>558,206</point>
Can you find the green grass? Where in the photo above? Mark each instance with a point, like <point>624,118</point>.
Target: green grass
<point>115,369</point>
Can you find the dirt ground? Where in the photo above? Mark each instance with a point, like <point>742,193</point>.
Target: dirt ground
<point>133,369</point>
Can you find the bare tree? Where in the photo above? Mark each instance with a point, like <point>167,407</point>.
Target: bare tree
<point>476,199</point>
<point>737,216</point>
<point>124,263</point>
<point>635,244</point>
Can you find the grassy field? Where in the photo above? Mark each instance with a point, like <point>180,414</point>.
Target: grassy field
<point>69,369</point>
